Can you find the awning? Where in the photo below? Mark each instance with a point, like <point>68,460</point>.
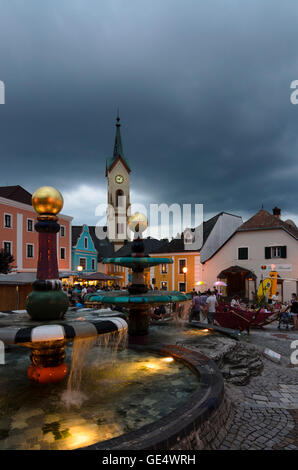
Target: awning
<point>99,277</point>
<point>17,279</point>
<point>236,270</point>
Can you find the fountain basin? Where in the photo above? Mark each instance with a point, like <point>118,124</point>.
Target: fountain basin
<point>148,409</point>
<point>188,426</point>
<point>137,262</point>
<point>123,298</point>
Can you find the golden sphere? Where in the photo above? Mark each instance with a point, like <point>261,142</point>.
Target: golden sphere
<point>137,222</point>
<point>47,200</point>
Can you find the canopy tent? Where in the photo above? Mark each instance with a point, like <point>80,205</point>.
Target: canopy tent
<point>99,277</point>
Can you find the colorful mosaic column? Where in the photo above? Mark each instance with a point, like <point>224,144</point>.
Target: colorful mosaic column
<point>47,301</point>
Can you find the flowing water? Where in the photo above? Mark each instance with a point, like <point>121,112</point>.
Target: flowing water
<point>109,391</point>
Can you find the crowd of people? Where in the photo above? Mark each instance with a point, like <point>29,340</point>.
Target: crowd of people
<point>76,293</point>
<point>204,305</point>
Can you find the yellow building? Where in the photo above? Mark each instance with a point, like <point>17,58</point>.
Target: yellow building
<point>182,274</point>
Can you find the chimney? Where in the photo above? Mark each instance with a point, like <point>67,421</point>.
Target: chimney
<point>276,212</point>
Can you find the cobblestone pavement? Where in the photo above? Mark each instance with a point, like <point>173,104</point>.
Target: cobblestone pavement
<point>264,413</point>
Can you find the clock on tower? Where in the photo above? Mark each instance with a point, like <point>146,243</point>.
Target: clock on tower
<point>117,173</point>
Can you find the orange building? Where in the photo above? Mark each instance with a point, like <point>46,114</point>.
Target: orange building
<point>18,235</point>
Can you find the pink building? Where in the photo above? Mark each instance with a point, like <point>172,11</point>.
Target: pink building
<point>18,235</point>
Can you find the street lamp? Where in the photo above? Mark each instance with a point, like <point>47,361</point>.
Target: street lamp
<point>184,272</point>
<point>80,268</point>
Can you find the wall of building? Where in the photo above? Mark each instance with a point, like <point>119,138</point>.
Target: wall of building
<point>224,227</point>
<point>21,237</point>
<point>173,277</point>
<point>256,241</point>
<point>88,253</point>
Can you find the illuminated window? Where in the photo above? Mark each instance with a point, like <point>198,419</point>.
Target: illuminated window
<point>164,269</point>
<point>182,264</point>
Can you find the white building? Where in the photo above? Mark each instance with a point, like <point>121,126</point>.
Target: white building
<point>264,239</point>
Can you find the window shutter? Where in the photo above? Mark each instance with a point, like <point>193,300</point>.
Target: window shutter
<point>283,251</point>
<point>267,252</point>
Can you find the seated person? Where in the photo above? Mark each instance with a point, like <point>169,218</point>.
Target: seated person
<point>235,301</point>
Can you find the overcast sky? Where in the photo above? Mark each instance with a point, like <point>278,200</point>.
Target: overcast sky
<point>203,89</point>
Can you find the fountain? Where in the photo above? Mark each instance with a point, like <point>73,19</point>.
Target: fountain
<point>137,299</point>
<point>47,334</point>
<point>152,395</point>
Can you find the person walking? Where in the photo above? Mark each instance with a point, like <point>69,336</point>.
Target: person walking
<point>195,308</point>
<point>294,310</point>
<point>203,300</point>
<point>211,303</point>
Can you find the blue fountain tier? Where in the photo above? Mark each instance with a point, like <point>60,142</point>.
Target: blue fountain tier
<point>135,263</point>
<point>125,298</point>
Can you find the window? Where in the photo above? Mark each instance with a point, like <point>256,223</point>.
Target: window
<point>119,198</point>
<point>62,231</point>
<point>164,269</point>
<point>182,287</point>
<point>120,228</point>
<point>164,285</point>
<point>243,253</point>
<point>83,263</point>
<point>93,264</point>
<point>7,247</point>
<point>182,264</point>
<point>7,221</point>
<point>86,242</point>
<point>30,251</point>
<point>29,225</point>
<point>275,252</point>
<point>62,253</point>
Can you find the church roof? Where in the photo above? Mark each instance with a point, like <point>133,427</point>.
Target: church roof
<point>118,150</point>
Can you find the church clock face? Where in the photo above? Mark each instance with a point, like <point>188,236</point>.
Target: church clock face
<point>119,179</point>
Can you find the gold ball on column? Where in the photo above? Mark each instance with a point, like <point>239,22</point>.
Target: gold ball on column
<point>137,222</point>
<point>47,200</point>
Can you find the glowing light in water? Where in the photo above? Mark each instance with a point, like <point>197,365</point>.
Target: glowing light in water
<point>167,359</point>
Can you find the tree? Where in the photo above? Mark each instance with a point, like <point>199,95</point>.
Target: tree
<point>6,260</point>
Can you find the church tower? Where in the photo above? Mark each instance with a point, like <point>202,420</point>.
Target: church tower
<point>117,173</point>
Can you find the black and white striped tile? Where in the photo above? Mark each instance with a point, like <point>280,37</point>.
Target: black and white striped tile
<point>55,332</point>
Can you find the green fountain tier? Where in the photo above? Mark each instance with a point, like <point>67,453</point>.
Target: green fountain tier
<point>124,298</point>
<point>137,263</point>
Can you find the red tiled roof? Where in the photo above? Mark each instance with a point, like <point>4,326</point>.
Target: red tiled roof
<point>263,220</point>
<point>16,193</point>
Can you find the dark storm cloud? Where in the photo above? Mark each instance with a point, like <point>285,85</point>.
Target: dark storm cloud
<point>203,90</point>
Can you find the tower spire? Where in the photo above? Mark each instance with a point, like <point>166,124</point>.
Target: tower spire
<point>118,150</point>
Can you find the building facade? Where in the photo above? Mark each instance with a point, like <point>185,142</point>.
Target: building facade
<point>186,272</point>
<point>18,235</point>
<point>264,240</point>
<point>84,253</point>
